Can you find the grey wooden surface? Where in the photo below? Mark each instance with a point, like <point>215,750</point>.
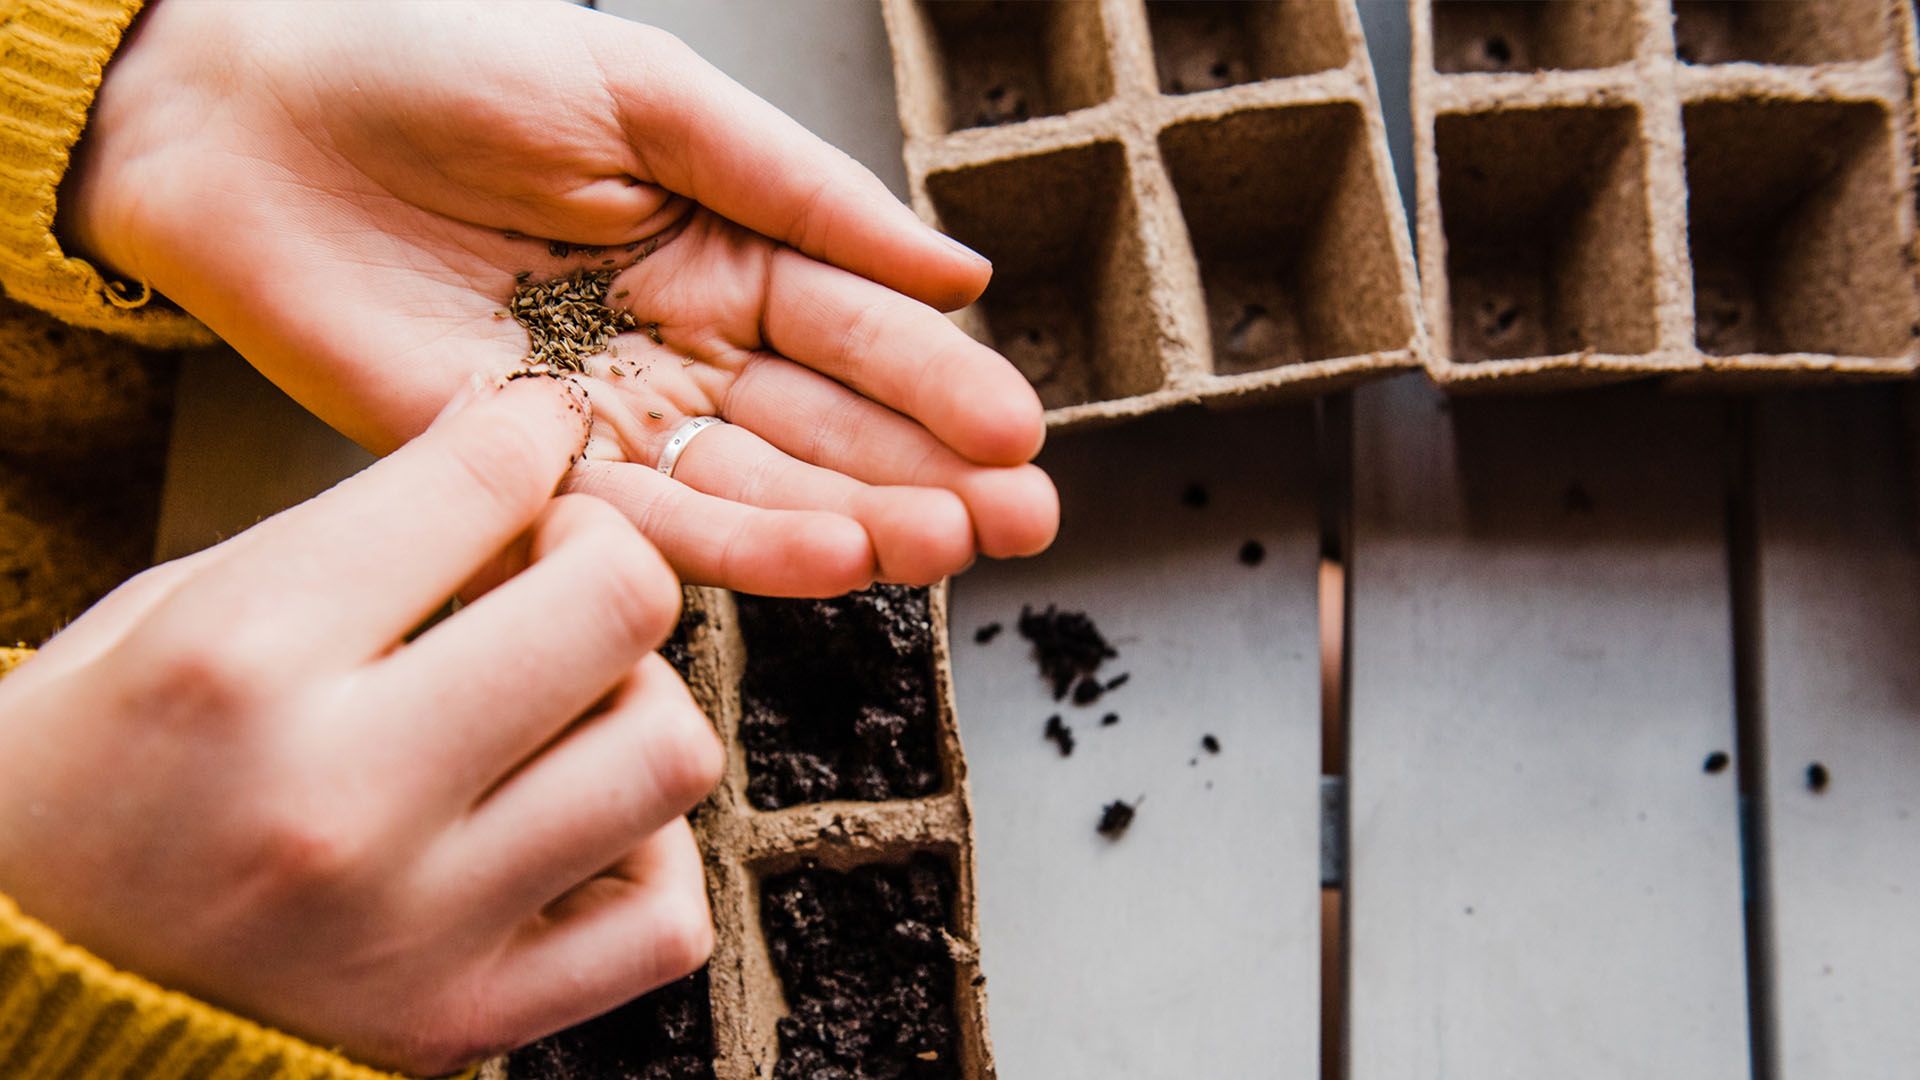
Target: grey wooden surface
<point>1839,577</point>
<point>1542,659</point>
<point>1544,880</point>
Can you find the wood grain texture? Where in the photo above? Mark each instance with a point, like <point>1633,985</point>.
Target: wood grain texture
<point>1544,882</point>
<point>1192,943</point>
<point>1839,556</point>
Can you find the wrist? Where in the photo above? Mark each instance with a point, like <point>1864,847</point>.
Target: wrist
<point>121,164</point>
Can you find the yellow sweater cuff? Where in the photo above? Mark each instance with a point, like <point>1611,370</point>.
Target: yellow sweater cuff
<point>52,53</point>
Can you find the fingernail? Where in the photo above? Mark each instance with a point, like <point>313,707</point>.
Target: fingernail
<point>962,248</point>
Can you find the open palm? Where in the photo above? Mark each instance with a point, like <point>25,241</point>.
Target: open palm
<point>347,192</point>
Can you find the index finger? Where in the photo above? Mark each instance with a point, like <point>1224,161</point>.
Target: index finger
<point>702,135</point>
<point>345,575</point>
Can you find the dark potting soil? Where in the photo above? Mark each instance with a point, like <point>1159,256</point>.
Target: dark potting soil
<point>1068,648</point>
<point>838,698</point>
<point>1210,743</point>
<point>1817,778</point>
<point>1115,818</point>
<point>679,648</point>
<point>1060,734</point>
<point>1195,496</point>
<point>666,1035</point>
<point>986,633</point>
<point>1253,553</point>
<point>863,960</point>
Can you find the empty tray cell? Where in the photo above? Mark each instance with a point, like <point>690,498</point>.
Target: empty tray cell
<point>1549,249</point>
<point>1069,301</point>
<point>1005,61</point>
<point>1778,31</point>
<point>863,960</point>
<point>838,700</point>
<point>1533,35</point>
<point>1208,44</point>
<point>666,1035</point>
<point>1290,229</point>
<point>1793,223</point>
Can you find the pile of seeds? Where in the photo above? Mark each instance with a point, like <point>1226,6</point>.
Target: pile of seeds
<point>567,318</point>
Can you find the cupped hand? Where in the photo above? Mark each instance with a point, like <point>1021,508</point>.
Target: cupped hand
<point>238,776</point>
<point>346,192</point>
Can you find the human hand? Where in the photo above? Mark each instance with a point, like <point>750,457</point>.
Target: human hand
<point>345,191</point>
<point>235,777</point>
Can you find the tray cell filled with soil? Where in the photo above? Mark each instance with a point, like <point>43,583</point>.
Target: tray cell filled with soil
<point>1295,249</point>
<point>664,1035</point>
<point>1547,240</point>
<point>993,62</point>
<point>1794,230</point>
<point>839,698</point>
<point>864,961</point>
<point>1533,35</point>
<point>1209,44</point>
<point>1778,31</point>
<point>1069,304</point>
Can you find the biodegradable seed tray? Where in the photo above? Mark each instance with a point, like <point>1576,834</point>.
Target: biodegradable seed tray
<point>1184,201</point>
<point>755,857</point>
<point>1616,188</point>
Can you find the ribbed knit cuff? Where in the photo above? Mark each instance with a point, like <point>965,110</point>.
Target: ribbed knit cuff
<point>65,1013</point>
<point>52,53</point>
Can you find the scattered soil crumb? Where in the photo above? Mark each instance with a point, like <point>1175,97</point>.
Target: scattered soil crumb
<point>1817,778</point>
<point>838,698</point>
<point>1716,762</point>
<point>666,1035</point>
<point>1210,744</point>
<point>1087,691</point>
<point>679,648</point>
<point>1253,553</point>
<point>1060,734</point>
<point>862,957</point>
<point>1115,818</point>
<point>987,633</point>
<point>1067,646</point>
<point>1195,496</point>
<point>1110,719</point>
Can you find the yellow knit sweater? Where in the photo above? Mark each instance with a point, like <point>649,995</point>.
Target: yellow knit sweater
<point>65,1013</point>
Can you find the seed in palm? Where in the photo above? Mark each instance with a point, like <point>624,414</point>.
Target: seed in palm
<point>567,319</point>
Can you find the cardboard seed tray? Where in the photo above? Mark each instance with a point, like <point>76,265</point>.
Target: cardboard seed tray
<point>1184,201</point>
<point>1618,188</point>
<point>746,847</point>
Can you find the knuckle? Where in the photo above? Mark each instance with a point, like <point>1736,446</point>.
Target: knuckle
<point>641,593</point>
<point>304,849</point>
<point>686,755</point>
<point>206,676</point>
<point>683,933</point>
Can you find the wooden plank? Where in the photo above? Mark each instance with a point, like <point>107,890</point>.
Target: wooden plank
<point>1544,881</point>
<point>1839,556</point>
<point>1193,942</point>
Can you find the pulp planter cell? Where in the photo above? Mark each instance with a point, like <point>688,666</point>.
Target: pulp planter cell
<point>1612,189</point>
<point>903,843</point>
<point>1217,224</point>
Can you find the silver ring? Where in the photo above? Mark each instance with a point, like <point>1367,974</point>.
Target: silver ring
<point>683,435</point>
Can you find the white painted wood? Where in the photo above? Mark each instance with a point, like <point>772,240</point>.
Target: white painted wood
<point>1190,947</point>
<point>1839,547</point>
<point>1544,881</point>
